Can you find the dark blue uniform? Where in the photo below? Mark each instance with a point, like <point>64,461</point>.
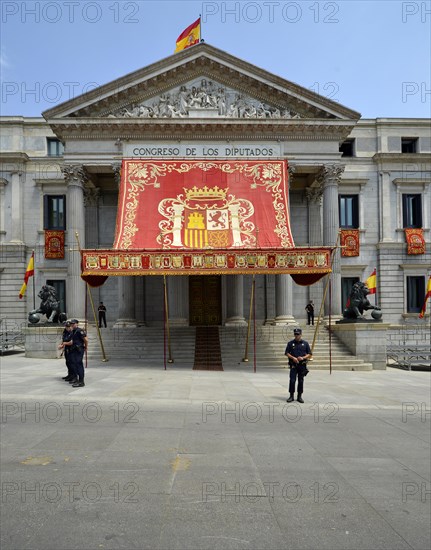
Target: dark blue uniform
<point>66,337</point>
<point>297,349</point>
<point>77,352</point>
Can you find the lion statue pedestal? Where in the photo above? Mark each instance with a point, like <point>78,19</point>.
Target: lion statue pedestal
<point>364,337</point>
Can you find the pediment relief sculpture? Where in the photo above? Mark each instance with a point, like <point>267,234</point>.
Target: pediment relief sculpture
<point>203,98</point>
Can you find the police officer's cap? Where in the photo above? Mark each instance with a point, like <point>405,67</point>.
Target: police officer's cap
<point>67,324</point>
<point>297,331</point>
<point>74,321</point>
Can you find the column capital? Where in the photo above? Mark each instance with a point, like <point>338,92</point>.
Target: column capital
<point>291,169</point>
<point>116,168</point>
<point>314,194</point>
<point>74,174</point>
<point>330,174</point>
<point>91,196</point>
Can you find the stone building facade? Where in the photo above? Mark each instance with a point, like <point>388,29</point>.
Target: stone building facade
<point>62,172</point>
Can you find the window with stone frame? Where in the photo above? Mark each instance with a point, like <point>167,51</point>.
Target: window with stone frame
<point>415,288</point>
<point>55,147</point>
<point>54,212</point>
<point>348,208</point>
<point>409,145</point>
<point>347,148</point>
<point>412,210</point>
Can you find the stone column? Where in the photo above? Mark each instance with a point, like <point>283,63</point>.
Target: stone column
<point>329,177</point>
<point>385,202</point>
<point>269,299</point>
<point>91,202</point>
<point>178,299</point>
<point>126,300</point>
<point>75,177</point>
<point>140,312</point>
<point>315,238</point>
<point>235,300</point>
<point>3,183</point>
<point>283,300</point>
<point>17,226</point>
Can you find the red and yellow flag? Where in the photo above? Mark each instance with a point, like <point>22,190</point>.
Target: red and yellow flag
<point>427,295</point>
<point>189,37</point>
<point>29,273</point>
<point>371,282</point>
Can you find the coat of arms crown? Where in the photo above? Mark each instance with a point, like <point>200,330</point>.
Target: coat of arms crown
<point>205,192</point>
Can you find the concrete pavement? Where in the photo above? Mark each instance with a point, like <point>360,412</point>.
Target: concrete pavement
<point>176,459</point>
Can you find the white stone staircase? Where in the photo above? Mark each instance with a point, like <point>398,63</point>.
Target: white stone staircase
<point>145,345</point>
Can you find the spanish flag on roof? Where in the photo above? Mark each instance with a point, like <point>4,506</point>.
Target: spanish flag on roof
<point>190,36</point>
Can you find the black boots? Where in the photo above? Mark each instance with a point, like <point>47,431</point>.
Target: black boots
<point>300,400</point>
<point>290,398</point>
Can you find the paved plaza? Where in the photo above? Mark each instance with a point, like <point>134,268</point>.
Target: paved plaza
<point>182,459</point>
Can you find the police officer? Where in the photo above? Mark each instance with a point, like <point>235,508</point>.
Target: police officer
<point>102,315</point>
<point>78,345</point>
<point>66,337</point>
<point>298,351</point>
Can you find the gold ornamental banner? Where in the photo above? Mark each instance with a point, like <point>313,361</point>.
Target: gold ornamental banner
<point>349,242</point>
<point>206,262</point>
<point>415,241</point>
<point>54,245</point>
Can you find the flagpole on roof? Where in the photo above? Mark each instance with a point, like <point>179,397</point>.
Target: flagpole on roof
<point>200,27</point>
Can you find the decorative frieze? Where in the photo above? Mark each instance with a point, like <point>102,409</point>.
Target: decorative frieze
<point>202,99</point>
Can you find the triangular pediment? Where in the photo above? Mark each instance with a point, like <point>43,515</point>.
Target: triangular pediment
<point>201,82</point>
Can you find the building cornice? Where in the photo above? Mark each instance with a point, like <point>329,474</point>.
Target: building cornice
<point>14,156</point>
<point>166,129</point>
<point>411,158</point>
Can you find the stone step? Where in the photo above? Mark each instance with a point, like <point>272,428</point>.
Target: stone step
<point>146,345</point>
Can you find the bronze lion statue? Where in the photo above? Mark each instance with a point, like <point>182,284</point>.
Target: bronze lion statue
<point>358,303</point>
<point>49,306</point>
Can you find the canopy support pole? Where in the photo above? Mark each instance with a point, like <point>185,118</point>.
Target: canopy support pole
<point>245,358</point>
<point>316,330</point>
<point>170,359</point>
<point>104,358</point>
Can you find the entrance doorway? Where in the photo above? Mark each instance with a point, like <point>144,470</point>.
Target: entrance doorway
<point>205,300</point>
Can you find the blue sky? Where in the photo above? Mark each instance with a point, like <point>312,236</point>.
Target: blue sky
<point>373,57</point>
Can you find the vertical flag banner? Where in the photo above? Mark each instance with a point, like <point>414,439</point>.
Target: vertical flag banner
<point>189,37</point>
<point>350,242</point>
<point>371,282</point>
<point>29,273</point>
<point>427,295</point>
<point>415,241</point>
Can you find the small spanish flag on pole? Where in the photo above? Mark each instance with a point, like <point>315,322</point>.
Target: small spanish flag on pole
<point>29,273</point>
<point>371,282</point>
<point>427,295</point>
<point>190,36</point>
